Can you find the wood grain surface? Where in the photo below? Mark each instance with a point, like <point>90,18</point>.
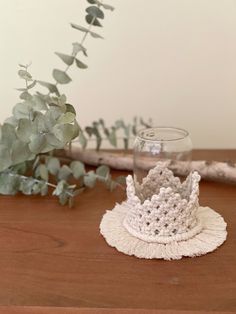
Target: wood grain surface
<point>53,260</point>
<point>73,310</point>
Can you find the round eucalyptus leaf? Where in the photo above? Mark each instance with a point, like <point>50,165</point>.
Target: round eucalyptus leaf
<point>39,123</point>
<point>37,143</point>
<point>94,11</point>
<point>92,21</point>
<point>64,132</point>
<point>103,171</point>
<point>22,110</point>
<point>54,141</point>
<point>49,120</point>
<point>43,171</point>
<point>9,184</point>
<point>78,169</point>
<point>80,64</point>
<point>25,75</point>
<point>65,58</point>
<point>51,87</point>
<point>64,172</point>
<point>70,108</point>
<point>53,165</point>
<point>39,103</point>
<point>55,112</point>
<point>121,180</point>
<point>90,179</point>
<point>24,130</point>
<point>61,76</point>
<point>68,117</point>
<point>25,95</point>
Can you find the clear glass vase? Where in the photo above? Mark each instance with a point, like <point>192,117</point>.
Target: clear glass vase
<point>160,144</point>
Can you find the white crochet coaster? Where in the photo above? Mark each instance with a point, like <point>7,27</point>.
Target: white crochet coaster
<point>212,235</point>
<point>164,220</point>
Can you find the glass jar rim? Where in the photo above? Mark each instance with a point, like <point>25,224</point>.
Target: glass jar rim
<point>180,131</point>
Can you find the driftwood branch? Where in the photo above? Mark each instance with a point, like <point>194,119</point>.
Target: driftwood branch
<point>213,171</point>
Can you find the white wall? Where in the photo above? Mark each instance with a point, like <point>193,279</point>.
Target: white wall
<point>173,60</point>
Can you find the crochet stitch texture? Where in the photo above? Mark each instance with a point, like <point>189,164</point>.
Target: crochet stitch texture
<point>165,209</point>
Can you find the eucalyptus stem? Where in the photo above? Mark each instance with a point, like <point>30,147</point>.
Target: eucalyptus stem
<point>89,29</point>
<point>26,84</point>
<point>36,181</point>
<point>81,43</point>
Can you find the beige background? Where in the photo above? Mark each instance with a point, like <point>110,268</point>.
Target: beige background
<point>173,60</point>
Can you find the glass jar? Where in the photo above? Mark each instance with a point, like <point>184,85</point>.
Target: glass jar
<point>160,144</point>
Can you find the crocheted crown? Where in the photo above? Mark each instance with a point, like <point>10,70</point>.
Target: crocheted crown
<point>163,209</point>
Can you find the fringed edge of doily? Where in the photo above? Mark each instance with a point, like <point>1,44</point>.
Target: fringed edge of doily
<point>213,234</point>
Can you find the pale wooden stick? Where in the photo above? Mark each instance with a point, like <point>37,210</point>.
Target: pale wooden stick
<point>116,160</point>
<point>214,170</point>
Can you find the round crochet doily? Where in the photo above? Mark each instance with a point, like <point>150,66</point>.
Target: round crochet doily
<point>212,234</point>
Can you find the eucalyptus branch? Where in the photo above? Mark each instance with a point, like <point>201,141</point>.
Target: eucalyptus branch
<point>120,130</point>
<point>63,176</point>
<point>22,177</point>
<point>41,123</point>
<point>74,52</point>
<point>61,77</point>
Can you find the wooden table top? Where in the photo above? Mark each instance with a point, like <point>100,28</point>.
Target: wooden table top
<point>53,260</point>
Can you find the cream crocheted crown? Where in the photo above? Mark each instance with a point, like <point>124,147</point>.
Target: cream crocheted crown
<point>162,209</point>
